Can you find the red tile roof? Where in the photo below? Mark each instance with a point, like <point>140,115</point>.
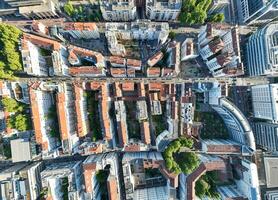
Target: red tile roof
<point>117,60</point>
<point>153,71</point>
<point>118,72</point>
<point>128,86</point>
<point>75,71</point>
<point>80,26</point>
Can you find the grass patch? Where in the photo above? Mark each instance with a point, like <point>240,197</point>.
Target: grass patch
<point>213,125</point>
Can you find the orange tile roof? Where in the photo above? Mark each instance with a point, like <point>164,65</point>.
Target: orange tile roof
<point>86,53</point>
<point>118,71</point>
<point>36,119</point>
<point>132,148</point>
<point>130,72</point>
<point>105,111</point>
<point>155,58</point>
<point>142,91</point>
<point>117,60</point>
<point>128,86</point>
<point>112,188</point>
<point>80,26</point>
<point>62,118</point>
<point>95,85</point>
<point>40,41</point>
<point>122,133</point>
<point>134,63</point>
<point>153,71</point>
<point>145,132</point>
<point>155,86</point>
<point>85,70</point>
<point>81,129</point>
<point>89,168</point>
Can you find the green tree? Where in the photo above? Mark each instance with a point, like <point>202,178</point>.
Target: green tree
<point>194,11</point>
<point>172,35</point>
<point>19,122</point>
<point>68,8</point>
<point>201,187</point>
<point>9,52</point>
<point>11,105</point>
<point>219,17</point>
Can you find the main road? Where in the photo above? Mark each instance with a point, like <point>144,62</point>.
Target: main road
<point>232,81</point>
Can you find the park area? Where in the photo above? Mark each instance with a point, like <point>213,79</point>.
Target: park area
<point>213,126</point>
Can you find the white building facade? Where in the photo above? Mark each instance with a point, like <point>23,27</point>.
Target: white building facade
<point>262,51</point>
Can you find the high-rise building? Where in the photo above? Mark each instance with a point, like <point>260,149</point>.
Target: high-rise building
<point>266,135</point>
<point>218,6</point>
<point>256,11</point>
<point>220,50</point>
<point>265,101</point>
<point>262,51</point>
<point>163,10</point>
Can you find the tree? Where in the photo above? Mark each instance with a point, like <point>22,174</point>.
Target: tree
<point>172,35</point>
<point>194,12</point>
<point>201,187</point>
<point>11,105</point>
<point>219,17</point>
<point>19,122</point>
<point>68,8</point>
<point>9,51</point>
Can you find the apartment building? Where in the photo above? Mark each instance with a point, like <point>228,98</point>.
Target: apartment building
<point>77,54</point>
<point>218,46</point>
<point>81,30</point>
<point>49,9</point>
<point>81,110</point>
<point>262,53</point>
<point>67,117</point>
<point>163,10</point>
<point>120,111</point>
<point>43,56</point>
<point>107,123</point>
<point>118,10</point>
<point>218,6</point>
<point>63,179</point>
<point>256,12</point>
<point>239,128</point>
<point>188,49</point>
<point>139,30</point>
<point>264,100</point>
<point>117,61</point>
<point>42,102</point>
<point>91,166</point>
<point>31,9</point>
<point>21,181</point>
<point>174,58</point>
